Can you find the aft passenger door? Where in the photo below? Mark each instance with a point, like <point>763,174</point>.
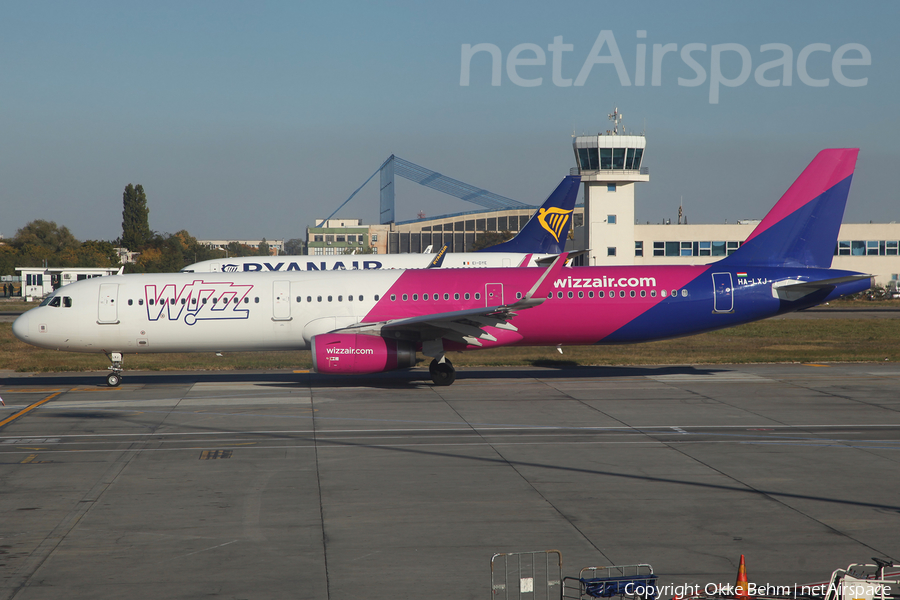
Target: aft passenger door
<point>723,293</point>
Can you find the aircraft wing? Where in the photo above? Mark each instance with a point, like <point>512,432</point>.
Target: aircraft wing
<point>464,326</point>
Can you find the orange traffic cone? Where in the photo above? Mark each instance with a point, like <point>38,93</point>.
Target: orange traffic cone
<point>741,587</point>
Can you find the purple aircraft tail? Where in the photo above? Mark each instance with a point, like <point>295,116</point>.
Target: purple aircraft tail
<point>801,230</point>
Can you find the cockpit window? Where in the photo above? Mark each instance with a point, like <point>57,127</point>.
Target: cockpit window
<point>48,300</point>
<point>67,302</point>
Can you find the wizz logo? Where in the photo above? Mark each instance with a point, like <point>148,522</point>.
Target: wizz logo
<point>197,301</point>
<point>553,219</point>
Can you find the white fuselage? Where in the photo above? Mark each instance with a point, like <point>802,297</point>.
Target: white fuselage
<point>364,262</point>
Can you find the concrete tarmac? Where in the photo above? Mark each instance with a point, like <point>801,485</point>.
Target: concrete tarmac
<point>294,485</point>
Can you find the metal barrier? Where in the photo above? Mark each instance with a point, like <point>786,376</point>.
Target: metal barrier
<point>527,575</point>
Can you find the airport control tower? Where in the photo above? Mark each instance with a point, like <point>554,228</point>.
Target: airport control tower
<point>610,164</point>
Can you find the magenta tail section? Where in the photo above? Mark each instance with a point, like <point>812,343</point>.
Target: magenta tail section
<point>802,228</point>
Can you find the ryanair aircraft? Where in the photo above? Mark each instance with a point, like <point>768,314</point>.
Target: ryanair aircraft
<point>377,320</point>
<point>543,237</point>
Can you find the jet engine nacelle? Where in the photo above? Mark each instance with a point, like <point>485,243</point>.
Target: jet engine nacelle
<point>347,353</point>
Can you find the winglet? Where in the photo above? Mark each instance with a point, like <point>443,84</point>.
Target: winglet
<point>538,292</point>
<point>438,259</point>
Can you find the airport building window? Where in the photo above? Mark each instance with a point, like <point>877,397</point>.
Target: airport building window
<point>610,187</point>
<point>639,248</point>
<point>318,238</point>
<point>687,249</point>
<point>659,248</point>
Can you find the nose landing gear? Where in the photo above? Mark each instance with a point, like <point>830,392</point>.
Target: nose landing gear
<point>115,376</point>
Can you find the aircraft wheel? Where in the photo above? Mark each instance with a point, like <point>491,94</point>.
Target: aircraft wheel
<point>442,373</point>
<point>113,380</point>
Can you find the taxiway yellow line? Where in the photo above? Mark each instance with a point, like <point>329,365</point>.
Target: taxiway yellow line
<point>28,409</point>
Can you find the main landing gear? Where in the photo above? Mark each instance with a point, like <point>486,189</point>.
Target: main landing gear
<point>442,373</point>
<point>115,376</point>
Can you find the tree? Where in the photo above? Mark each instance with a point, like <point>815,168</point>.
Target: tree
<point>263,249</point>
<point>294,247</point>
<point>490,238</point>
<point>46,235</point>
<point>135,218</point>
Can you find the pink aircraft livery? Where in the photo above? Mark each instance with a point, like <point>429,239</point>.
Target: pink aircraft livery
<point>378,320</point>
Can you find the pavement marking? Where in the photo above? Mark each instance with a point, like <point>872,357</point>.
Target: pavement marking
<point>715,377</point>
<point>816,365</point>
<point>214,454</point>
<point>28,409</point>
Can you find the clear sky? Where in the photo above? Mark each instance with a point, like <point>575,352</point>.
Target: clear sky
<point>244,120</point>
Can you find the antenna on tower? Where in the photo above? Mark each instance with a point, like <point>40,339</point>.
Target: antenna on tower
<point>616,118</point>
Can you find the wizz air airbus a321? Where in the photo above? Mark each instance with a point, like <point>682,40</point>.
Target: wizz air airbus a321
<point>543,237</point>
<point>374,321</point>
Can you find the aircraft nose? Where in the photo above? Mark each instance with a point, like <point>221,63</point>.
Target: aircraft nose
<point>21,328</point>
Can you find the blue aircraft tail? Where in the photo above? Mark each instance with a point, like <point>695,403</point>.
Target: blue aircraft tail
<point>802,229</point>
<point>547,230</point>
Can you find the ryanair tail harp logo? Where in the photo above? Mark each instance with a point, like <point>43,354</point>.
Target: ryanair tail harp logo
<point>553,219</point>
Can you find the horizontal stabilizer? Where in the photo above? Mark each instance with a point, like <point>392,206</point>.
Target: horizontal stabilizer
<point>792,290</point>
